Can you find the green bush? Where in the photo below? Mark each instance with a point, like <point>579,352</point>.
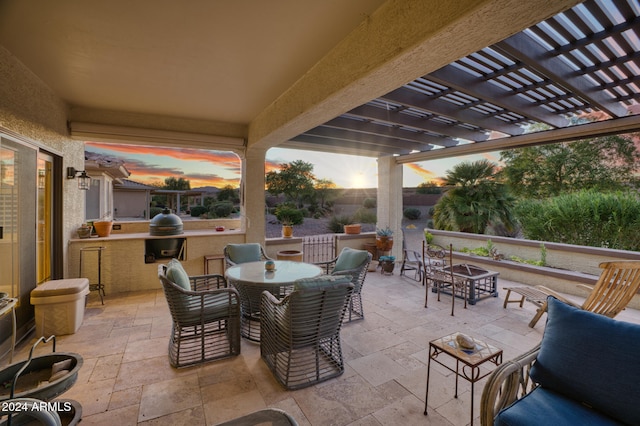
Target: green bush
<point>154,211</point>
<point>336,223</point>
<point>369,203</point>
<point>411,213</point>
<point>196,211</point>
<point>588,218</point>
<point>289,215</point>
<point>221,209</point>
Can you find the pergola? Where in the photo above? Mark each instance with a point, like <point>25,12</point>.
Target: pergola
<point>401,81</point>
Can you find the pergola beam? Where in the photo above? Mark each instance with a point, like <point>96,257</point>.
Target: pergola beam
<point>618,126</point>
<point>482,89</point>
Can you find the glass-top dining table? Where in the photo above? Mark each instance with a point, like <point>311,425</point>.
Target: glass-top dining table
<point>252,278</point>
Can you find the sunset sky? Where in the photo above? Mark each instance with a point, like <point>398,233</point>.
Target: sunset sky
<point>219,168</point>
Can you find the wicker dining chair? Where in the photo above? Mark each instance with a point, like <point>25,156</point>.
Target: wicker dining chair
<point>205,313</point>
<point>300,334</point>
<point>355,263</point>
<point>242,253</point>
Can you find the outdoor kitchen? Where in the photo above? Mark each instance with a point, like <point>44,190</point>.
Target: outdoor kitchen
<point>129,260</point>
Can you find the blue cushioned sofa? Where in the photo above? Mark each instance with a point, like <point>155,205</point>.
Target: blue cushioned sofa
<point>586,371</point>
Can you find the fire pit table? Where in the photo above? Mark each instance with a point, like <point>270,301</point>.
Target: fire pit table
<point>480,283</point>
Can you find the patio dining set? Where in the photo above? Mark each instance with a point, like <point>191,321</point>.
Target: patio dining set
<point>295,311</point>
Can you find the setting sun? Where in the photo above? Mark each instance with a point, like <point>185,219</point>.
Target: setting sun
<point>358,180</point>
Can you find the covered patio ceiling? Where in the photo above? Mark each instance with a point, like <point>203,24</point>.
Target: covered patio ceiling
<point>335,76</point>
<point>584,62</point>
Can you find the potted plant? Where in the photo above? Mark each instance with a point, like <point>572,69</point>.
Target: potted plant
<point>350,227</point>
<point>103,226</point>
<point>384,239</point>
<point>84,231</point>
<point>287,227</point>
<point>288,216</point>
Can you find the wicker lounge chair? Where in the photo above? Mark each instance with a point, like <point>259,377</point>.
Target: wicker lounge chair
<point>205,313</point>
<point>616,286</point>
<point>585,371</point>
<point>300,334</point>
<point>356,264</point>
<point>242,253</point>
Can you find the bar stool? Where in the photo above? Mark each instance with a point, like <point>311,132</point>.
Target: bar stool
<point>99,286</point>
<point>207,258</point>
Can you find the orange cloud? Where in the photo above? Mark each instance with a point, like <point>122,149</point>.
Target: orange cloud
<point>425,174</point>
<point>145,172</point>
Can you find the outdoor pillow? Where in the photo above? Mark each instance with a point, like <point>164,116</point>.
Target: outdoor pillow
<point>592,359</point>
<point>242,253</point>
<point>177,275</point>
<point>350,259</point>
<point>320,282</point>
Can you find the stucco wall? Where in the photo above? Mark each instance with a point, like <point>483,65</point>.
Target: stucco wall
<point>31,112</point>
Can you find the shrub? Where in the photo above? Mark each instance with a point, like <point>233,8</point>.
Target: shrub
<point>221,209</point>
<point>154,211</point>
<point>411,213</point>
<point>369,203</point>
<point>336,223</point>
<point>289,215</point>
<point>196,211</point>
<point>588,218</point>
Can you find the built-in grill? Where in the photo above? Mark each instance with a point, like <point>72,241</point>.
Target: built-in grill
<point>166,223</point>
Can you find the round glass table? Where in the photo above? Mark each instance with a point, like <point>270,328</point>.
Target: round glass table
<point>251,279</point>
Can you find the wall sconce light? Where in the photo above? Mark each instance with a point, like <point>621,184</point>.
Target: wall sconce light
<point>84,180</point>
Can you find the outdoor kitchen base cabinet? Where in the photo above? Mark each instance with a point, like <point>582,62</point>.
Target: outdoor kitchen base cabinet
<point>123,263</point>
<point>164,248</point>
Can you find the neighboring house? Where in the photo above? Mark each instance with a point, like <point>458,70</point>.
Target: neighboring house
<point>104,172</point>
<point>131,200</point>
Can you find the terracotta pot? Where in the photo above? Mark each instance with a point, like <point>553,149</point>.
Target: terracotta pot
<point>352,229</point>
<point>287,231</point>
<point>293,255</point>
<point>103,228</point>
<point>384,243</point>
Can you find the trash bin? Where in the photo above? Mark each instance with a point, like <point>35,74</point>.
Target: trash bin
<point>59,306</point>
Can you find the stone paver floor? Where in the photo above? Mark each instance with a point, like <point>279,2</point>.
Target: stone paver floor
<point>126,378</point>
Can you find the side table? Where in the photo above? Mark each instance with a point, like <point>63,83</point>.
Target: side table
<point>471,361</point>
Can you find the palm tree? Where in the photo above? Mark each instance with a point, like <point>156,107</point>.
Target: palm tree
<point>475,199</point>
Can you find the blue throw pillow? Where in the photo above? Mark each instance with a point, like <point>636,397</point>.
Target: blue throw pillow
<point>177,275</point>
<point>592,359</point>
<point>320,282</point>
<point>350,259</point>
<point>242,253</point>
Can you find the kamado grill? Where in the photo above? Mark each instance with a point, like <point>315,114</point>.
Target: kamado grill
<point>165,224</point>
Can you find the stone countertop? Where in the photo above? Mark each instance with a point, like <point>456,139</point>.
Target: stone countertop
<point>146,236</point>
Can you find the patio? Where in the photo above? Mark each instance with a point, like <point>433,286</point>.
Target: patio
<point>126,378</point>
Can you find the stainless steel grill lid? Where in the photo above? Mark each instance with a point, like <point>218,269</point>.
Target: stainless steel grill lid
<point>166,223</point>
